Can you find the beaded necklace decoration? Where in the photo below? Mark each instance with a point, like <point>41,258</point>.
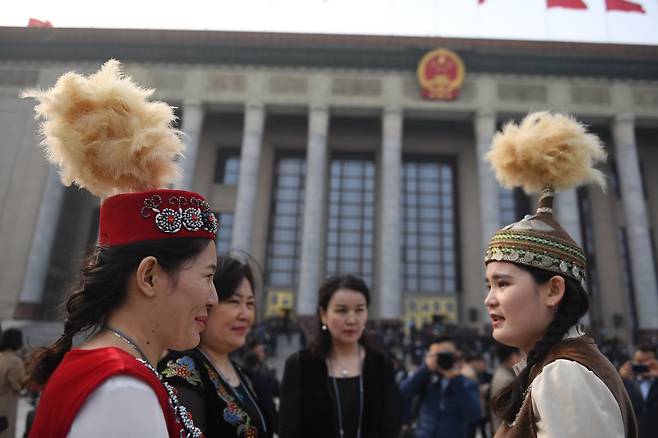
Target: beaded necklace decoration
<point>182,415</point>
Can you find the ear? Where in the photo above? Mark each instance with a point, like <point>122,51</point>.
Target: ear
<point>323,315</point>
<point>147,276</point>
<point>556,286</point>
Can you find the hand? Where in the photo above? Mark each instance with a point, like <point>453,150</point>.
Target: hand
<point>430,362</point>
<point>653,368</point>
<point>626,371</point>
<point>469,372</point>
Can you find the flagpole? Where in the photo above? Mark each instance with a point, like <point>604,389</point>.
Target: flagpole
<point>479,18</point>
<point>549,34</point>
<point>606,17</point>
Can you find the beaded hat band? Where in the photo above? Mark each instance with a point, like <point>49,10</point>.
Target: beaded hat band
<point>154,215</point>
<point>539,242</point>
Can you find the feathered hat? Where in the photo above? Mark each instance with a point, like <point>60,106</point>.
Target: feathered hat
<point>545,153</point>
<point>105,135</point>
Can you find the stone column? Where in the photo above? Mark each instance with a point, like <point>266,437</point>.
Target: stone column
<point>390,212</point>
<point>36,271</point>
<point>568,214</point>
<point>485,128</point>
<point>314,210</point>
<point>193,113</point>
<point>637,227</point>
<point>252,139</point>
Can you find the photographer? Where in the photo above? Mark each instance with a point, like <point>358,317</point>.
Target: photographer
<point>447,401</point>
<point>640,377</point>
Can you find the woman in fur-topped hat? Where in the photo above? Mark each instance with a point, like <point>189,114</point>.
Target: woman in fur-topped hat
<point>148,284</point>
<point>536,275</point>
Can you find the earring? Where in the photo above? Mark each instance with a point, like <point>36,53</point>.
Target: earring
<point>324,326</point>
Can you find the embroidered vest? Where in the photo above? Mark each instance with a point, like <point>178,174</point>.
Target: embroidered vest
<point>584,351</point>
<point>77,376</point>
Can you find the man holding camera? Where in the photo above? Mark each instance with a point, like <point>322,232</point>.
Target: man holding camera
<point>446,400</point>
<point>640,377</point>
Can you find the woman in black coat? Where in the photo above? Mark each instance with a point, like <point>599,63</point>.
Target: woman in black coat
<point>339,387</point>
<point>210,385</point>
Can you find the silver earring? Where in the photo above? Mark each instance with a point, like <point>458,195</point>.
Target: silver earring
<point>324,326</point>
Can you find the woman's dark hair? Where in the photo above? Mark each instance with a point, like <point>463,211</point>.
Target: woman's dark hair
<point>101,289</point>
<point>441,340</point>
<point>232,268</point>
<point>321,344</point>
<point>574,304</point>
<point>11,339</point>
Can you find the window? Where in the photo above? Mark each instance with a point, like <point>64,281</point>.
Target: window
<point>285,235</point>
<point>351,211</point>
<point>429,249</point>
<point>514,205</point>
<point>228,167</point>
<point>225,233</point>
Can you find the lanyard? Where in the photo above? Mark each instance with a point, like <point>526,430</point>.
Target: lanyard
<point>338,403</point>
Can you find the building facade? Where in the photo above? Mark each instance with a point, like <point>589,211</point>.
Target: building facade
<point>321,156</point>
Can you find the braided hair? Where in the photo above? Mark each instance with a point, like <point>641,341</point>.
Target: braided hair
<point>574,304</point>
<point>102,288</point>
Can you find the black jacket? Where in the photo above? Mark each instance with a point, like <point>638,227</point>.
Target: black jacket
<point>646,411</point>
<point>308,407</point>
<point>215,409</point>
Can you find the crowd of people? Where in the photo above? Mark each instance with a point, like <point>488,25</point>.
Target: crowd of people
<point>163,321</point>
<point>481,366</point>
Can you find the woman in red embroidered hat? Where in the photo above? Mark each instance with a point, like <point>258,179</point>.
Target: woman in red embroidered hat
<point>536,276</point>
<point>147,286</point>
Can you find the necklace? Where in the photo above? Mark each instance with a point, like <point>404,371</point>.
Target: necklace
<point>127,340</point>
<point>182,415</point>
<point>233,390</point>
<point>338,402</point>
<point>343,370</point>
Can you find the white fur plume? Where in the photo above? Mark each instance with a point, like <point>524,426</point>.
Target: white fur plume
<point>105,135</point>
<point>546,150</point>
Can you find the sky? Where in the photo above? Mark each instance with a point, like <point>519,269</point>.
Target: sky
<point>507,19</point>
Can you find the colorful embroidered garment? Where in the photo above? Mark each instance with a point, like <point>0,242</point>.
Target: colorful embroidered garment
<point>228,412</point>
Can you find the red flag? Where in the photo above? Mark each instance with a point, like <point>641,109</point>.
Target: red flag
<point>33,22</point>
<point>569,4</point>
<point>623,5</point>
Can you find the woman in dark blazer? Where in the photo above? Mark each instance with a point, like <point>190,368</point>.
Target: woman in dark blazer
<point>212,387</point>
<point>339,387</point>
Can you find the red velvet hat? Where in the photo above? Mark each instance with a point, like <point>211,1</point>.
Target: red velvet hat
<point>156,214</point>
<point>107,136</point>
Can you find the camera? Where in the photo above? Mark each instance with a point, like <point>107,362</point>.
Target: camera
<point>445,360</point>
<point>640,368</point>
